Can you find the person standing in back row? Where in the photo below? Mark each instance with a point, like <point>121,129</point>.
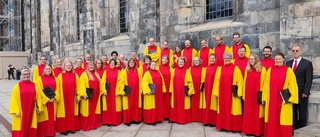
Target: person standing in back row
<point>237,44</point>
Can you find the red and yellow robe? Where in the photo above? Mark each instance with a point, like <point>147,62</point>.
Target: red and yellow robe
<point>235,47</point>
<point>278,116</point>
<point>189,53</point>
<point>267,62</point>
<point>166,73</point>
<point>112,106</point>
<point>153,103</point>
<point>204,55</point>
<point>219,50</point>
<point>100,71</point>
<point>197,104</point>
<point>37,72</point>
<point>253,113</point>
<point>84,65</point>
<point>78,71</point>
<point>167,52</point>
<point>68,106</point>
<point>143,68</point>
<point>56,71</point>
<point>90,110</point>
<point>180,103</point>
<point>229,107</point>
<point>241,63</point>
<point>154,52</point>
<point>23,99</point>
<point>106,66</point>
<point>138,62</point>
<point>131,104</point>
<point>175,58</point>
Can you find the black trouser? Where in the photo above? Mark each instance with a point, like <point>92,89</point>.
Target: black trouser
<point>300,113</point>
<point>9,75</point>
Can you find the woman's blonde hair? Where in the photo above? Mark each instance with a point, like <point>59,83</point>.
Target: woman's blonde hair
<point>257,64</point>
<point>90,76</point>
<point>64,69</point>
<point>128,67</point>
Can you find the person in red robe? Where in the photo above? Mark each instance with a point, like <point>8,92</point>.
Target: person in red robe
<point>153,102</point>
<point>279,115</point>
<point>253,115</point>
<point>47,118</point>
<point>242,60</point>
<point>189,53</point>
<point>197,73</point>
<point>181,88</point>
<point>87,58</point>
<point>90,110</point>
<point>123,61</point>
<point>210,105</point>
<point>119,63</point>
<point>229,102</point>
<point>99,67</point>
<point>204,53</point>
<point>38,70</point>
<point>105,62</point>
<point>219,50</point>
<point>135,58</point>
<point>166,70</point>
<point>267,61</point>
<point>22,107</point>
<point>67,120</point>
<point>78,69</point>
<point>112,106</point>
<point>166,51</point>
<point>237,44</point>
<point>58,67</point>
<point>177,54</point>
<point>146,62</point>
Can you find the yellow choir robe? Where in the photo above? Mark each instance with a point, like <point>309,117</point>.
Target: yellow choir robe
<point>154,57</point>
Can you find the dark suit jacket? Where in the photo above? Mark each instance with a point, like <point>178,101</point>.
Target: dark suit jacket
<point>304,75</point>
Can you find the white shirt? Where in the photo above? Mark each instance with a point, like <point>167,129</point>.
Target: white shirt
<point>298,61</point>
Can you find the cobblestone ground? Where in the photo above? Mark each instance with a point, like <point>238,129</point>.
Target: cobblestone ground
<point>164,129</point>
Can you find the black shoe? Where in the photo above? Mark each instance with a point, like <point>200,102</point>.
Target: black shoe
<point>65,133</point>
<point>154,124</point>
<point>109,125</point>
<point>135,122</point>
<point>72,132</point>
<point>129,124</point>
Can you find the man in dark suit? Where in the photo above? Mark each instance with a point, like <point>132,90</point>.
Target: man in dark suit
<point>303,70</point>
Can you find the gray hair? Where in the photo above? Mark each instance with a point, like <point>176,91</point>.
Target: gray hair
<point>195,59</point>
<point>227,54</point>
<point>24,70</point>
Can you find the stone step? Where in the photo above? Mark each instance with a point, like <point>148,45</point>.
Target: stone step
<point>316,83</point>
<point>314,107</point>
<point>312,130</point>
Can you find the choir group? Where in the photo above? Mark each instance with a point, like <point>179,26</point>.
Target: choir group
<point>226,88</point>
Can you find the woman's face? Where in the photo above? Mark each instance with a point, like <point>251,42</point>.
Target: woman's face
<point>91,67</point>
<point>181,63</point>
<point>164,61</point>
<point>147,61</point>
<point>212,59</point>
<point>112,64</point>
<point>79,63</point>
<point>279,60</point>
<point>99,64</point>
<point>178,49</point>
<point>25,75</point>
<point>196,62</point>
<point>47,70</point>
<point>252,60</point>
<point>68,66</point>
<point>227,60</point>
<point>153,65</point>
<point>118,63</point>
<point>131,63</point>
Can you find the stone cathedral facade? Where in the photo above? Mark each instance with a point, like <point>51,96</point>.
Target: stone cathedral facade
<point>71,28</point>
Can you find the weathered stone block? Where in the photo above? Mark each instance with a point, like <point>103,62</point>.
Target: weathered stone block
<point>316,26</point>
<point>316,65</point>
<point>307,9</point>
<point>299,27</point>
<point>269,39</point>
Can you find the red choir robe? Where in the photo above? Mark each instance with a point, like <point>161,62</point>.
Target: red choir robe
<point>37,72</point>
<point>23,99</point>
<point>143,68</point>
<point>106,66</point>
<point>219,50</point>
<point>180,103</point>
<point>68,106</point>
<point>90,110</point>
<point>210,100</point>
<point>235,47</point>
<point>253,113</point>
<point>154,52</point>
<point>112,106</point>
<point>197,73</point>
<point>57,71</point>
<point>167,52</point>
<point>47,118</point>
<point>175,58</point>
<point>78,71</point>
<point>189,53</point>
<point>131,104</point>
<point>153,103</point>
<point>84,65</point>
<point>267,62</point>
<point>122,65</point>
<point>138,62</point>
<point>166,73</point>
<point>204,55</point>
<point>100,71</point>
<point>229,107</point>
<point>241,63</point>
<point>278,116</point>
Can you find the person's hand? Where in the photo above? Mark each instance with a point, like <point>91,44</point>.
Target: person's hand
<point>304,95</point>
<point>17,114</point>
<point>106,93</point>
<point>51,100</point>
<point>175,55</point>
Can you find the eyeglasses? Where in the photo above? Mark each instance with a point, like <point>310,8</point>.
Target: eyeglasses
<point>295,50</point>
<point>25,74</point>
<point>227,58</point>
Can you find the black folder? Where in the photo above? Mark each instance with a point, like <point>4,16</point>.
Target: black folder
<point>285,95</point>
<point>107,85</point>
<point>89,92</point>
<point>235,90</point>
<point>186,90</point>
<point>153,88</point>
<point>48,91</point>
<point>127,90</point>
<point>202,87</point>
<point>259,97</point>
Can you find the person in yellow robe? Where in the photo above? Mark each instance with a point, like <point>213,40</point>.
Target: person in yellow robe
<point>23,107</point>
<point>279,115</point>
<point>153,51</point>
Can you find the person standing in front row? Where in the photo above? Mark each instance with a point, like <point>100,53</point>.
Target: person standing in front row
<point>166,71</point>
<point>303,71</point>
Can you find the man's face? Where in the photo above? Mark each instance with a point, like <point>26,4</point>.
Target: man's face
<point>133,54</point>
<point>122,57</point>
<point>296,52</point>
<point>218,40</point>
<point>43,60</point>
<point>241,52</point>
<point>114,56</point>
<point>88,58</point>
<point>204,44</point>
<point>58,63</point>
<point>79,63</point>
<point>151,41</point>
<point>267,53</point>
<point>104,59</point>
<point>236,38</point>
<point>187,43</point>
<point>165,44</point>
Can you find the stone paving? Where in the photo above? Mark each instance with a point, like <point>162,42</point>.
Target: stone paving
<point>164,129</point>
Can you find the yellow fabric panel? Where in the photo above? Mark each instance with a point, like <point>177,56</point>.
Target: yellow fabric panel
<point>124,81</point>
<point>215,89</point>
<point>82,65</point>
<point>84,103</point>
<point>35,73</point>
<point>266,94</point>
<point>236,101</point>
<point>154,57</point>
<point>148,100</point>
<point>188,82</point>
